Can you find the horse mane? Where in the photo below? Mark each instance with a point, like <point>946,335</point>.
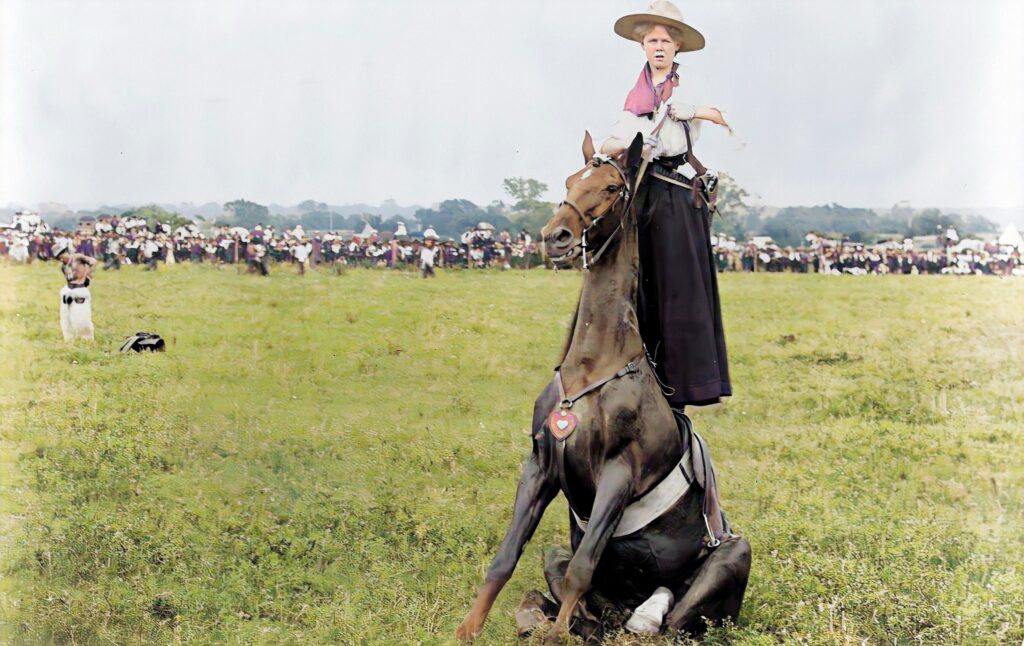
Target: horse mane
<point>572,328</point>
<point>628,225</point>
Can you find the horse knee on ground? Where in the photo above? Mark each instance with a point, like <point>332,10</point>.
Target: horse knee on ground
<point>556,562</point>
<point>716,592</point>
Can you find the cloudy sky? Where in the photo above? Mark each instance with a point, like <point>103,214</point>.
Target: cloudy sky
<point>861,103</point>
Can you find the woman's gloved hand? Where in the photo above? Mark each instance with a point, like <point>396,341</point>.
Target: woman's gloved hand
<point>682,111</point>
<point>653,147</point>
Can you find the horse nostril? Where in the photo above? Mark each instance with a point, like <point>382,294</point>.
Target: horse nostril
<point>562,236</point>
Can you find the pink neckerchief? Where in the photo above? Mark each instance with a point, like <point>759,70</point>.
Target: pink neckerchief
<point>644,98</point>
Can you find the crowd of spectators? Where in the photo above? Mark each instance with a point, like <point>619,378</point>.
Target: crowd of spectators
<point>129,241</point>
<point>946,255</point>
<point>117,242</point>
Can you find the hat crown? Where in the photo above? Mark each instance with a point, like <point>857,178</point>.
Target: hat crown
<point>665,9</point>
<point>661,12</point>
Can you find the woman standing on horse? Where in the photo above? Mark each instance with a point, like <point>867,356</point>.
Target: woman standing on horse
<point>646,528</point>
<point>678,304</point>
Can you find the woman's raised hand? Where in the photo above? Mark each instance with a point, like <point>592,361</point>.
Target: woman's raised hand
<point>682,111</point>
<point>686,111</point>
<point>714,115</point>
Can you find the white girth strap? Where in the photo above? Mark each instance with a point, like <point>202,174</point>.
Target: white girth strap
<point>655,502</point>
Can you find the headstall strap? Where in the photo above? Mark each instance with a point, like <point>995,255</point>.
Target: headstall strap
<point>623,193</point>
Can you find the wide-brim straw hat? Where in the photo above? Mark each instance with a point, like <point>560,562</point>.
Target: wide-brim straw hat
<point>661,12</point>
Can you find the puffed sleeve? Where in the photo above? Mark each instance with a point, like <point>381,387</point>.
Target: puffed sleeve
<point>626,128</point>
<point>695,126</point>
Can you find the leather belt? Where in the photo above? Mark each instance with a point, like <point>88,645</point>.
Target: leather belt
<point>671,176</point>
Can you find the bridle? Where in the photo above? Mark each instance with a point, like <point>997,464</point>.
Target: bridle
<point>622,194</point>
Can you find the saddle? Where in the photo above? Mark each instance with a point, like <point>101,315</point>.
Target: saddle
<point>704,475</point>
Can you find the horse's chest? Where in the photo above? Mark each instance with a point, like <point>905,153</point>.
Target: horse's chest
<point>578,445</point>
<point>566,423</point>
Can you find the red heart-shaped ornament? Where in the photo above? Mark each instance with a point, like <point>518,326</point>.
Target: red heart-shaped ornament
<point>562,423</point>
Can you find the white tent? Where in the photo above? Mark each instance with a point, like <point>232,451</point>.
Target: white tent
<point>1011,237</point>
<point>367,231</point>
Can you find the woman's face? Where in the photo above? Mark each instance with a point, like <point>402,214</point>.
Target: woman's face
<point>659,48</point>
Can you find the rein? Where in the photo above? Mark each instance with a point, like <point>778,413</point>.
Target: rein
<point>623,192</point>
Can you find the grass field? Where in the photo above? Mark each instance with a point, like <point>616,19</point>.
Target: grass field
<point>332,459</point>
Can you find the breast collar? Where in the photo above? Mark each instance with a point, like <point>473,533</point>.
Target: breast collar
<point>565,401</point>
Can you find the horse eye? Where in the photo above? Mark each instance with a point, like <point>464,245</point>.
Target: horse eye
<point>612,188</point>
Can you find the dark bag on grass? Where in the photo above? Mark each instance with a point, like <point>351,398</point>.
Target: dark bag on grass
<point>143,342</point>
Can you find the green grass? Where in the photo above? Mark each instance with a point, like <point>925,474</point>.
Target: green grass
<point>333,458</point>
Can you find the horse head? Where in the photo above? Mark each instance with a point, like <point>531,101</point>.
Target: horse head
<point>595,201</point>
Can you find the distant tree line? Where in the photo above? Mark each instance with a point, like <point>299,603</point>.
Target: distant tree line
<point>449,218</point>
<point>789,225</point>
<point>735,217</point>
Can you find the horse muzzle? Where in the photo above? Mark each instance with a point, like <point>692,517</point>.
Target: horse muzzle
<point>561,245</point>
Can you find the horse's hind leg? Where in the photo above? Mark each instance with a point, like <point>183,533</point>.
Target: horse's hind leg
<point>716,592</point>
<point>556,562</point>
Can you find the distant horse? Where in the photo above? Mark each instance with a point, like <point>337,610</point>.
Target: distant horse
<point>639,483</point>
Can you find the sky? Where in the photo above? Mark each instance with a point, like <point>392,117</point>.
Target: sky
<point>859,103</point>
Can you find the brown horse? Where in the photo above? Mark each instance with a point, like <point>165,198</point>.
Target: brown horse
<point>643,509</point>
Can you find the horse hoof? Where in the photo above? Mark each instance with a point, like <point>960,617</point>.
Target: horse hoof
<point>467,633</point>
<point>650,614</point>
<point>556,638</point>
<point>527,620</point>
<point>531,613</point>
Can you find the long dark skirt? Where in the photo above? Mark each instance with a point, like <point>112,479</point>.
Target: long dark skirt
<point>677,303</point>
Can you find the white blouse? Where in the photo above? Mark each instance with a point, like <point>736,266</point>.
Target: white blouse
<point>672,135</point>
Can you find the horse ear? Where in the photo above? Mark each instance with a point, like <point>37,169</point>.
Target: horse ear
<point>588,147</point>
<point>633,155</point>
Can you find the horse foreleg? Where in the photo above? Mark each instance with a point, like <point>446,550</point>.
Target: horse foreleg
<point>614,489</point>
<point>717,589</point>
<point>537,487</point>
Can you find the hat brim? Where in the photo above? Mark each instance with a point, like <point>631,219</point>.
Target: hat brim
<point>692,39</point>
